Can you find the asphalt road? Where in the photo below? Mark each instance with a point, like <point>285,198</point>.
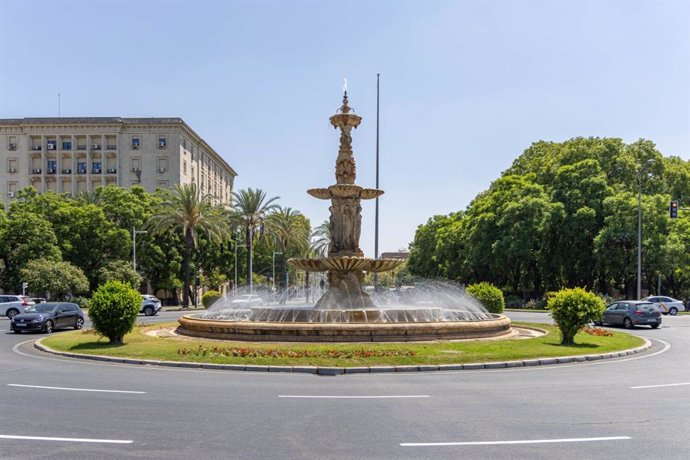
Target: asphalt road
<point>634,408</point>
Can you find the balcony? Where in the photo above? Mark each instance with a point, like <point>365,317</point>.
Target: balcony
<point>96,171</point>
<point>35,147</point>
<point>36,171</point>
<point>51,171</point>
<point>12,146</point>
<point>81,171</point>
<point>111,147</point>
<point>66,146</point>
<point>111,171</point>
<point>67,171</point>
<point>95,146</point>
<point>81,147</point>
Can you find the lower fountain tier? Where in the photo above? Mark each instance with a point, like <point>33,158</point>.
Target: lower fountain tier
<point>345,264</point>
<point>497,326</point>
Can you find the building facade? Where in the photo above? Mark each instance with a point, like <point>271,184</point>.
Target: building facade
<point>73,155</point>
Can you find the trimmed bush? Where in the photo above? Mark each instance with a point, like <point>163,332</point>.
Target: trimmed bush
<point>489,295</point>
<point>113,309</point>
<point>209,297</point>
<point>572,309</point>
<point>83,302</point>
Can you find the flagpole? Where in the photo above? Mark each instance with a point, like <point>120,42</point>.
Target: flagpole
<point>376,228</point>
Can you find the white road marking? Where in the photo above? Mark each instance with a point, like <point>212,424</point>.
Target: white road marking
<point>40,438</point>
<point>495,443</point>
<point>661,386</point>
<point>352,397</point>
<point>75,389</point>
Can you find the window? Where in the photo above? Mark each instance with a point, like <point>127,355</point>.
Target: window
<point>162,184</point>
<point>184,167</point>
<point>162,142</point>
<point>12,165</point>
<point>52,144</point>
<point>96,167</point>
<point>67,145</point>
<point>81,167</point>
<point>12,142</point>
<point>136,142</point>
<point>162,164</point>
<point>136,164</point>
<point>52,166</point>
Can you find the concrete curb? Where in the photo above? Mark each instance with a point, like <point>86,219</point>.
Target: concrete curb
<point>355,370</point>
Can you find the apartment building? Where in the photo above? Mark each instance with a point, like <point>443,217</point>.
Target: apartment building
<point>72,155</point>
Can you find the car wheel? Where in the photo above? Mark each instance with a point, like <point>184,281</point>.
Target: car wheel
<point>17,331</point>
<point>148,311</point>
<point>627,323</point>
<point>48,327</point>
<point>79,323</point>
<point>654,326</point>
<point>12,312</point>
<point>673,311</point>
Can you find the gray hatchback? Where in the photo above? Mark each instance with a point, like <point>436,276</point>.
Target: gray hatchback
<point>631,313</point>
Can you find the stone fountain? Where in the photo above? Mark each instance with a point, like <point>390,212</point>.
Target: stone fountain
<point>346,313</point>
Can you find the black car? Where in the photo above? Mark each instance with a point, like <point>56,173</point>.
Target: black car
<point>631,313</point>
<point>48,316</point>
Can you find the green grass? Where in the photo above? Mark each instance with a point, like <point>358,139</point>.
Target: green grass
<point>138,345</point>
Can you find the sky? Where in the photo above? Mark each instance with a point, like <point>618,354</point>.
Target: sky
<point>465,86</point>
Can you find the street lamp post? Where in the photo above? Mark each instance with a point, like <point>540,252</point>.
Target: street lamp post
<point>640,171</point>
<point>234,286</point>
<point>134,246</point>
<point>274,270</point>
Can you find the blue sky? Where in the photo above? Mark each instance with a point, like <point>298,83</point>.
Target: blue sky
<point>466,86</point>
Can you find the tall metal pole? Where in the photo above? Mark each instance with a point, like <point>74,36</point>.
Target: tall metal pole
<point>251,259</point>
<point>376,225</point>
<point>639,234</point>
<point>134,248</point>
<point>642,169</point>
<point>234,286</point>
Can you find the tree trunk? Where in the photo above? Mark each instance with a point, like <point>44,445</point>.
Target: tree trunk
<point>249,244</point>
<point>189,243</point>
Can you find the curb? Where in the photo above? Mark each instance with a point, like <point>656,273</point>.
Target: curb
<point>356,370</point>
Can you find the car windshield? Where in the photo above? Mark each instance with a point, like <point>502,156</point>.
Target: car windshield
<point>41,308</point>
<point>645,306</point>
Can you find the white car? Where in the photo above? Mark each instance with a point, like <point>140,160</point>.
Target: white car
<point>150,304</point>
<point>12,305</point>
<point>666,305</point>
<point>247,300</point>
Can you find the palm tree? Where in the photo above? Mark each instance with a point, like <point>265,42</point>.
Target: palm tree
<point>290,231</point>
<point>321,239</point>
<point>249,211</point>
<point>187,210</point>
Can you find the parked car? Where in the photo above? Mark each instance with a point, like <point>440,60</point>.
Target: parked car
<point>631,313</point>
<point>150,304</point>
<point>48,316</point>
<point>247,300</point>
<point>38,299</point>
<point>666,305</point>
<point>11,305</point>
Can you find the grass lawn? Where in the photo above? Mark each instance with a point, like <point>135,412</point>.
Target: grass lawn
<point>139,345</point>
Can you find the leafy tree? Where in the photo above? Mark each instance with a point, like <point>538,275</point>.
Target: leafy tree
<point>251,206</point>
<point>119,270</point>
<point>573,309</point>
<point>290,231</point>
<point>55,280</point>
<point>24,236</point>
<point>321,239</point>
<point>113,308</point>
<point>187,211</point>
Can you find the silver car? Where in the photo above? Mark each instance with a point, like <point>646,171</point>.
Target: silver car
<point>12,305</point>
<point>666,305</point>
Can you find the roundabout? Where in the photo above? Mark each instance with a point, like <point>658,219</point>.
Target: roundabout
<point>571,411</point>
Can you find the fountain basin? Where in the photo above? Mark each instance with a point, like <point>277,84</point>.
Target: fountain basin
<point>496,327</point>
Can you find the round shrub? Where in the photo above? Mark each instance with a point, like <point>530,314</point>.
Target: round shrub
<point>113,309</point>
<point>209,297</point>
<point>572,309</point>
<point>489,295</point>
